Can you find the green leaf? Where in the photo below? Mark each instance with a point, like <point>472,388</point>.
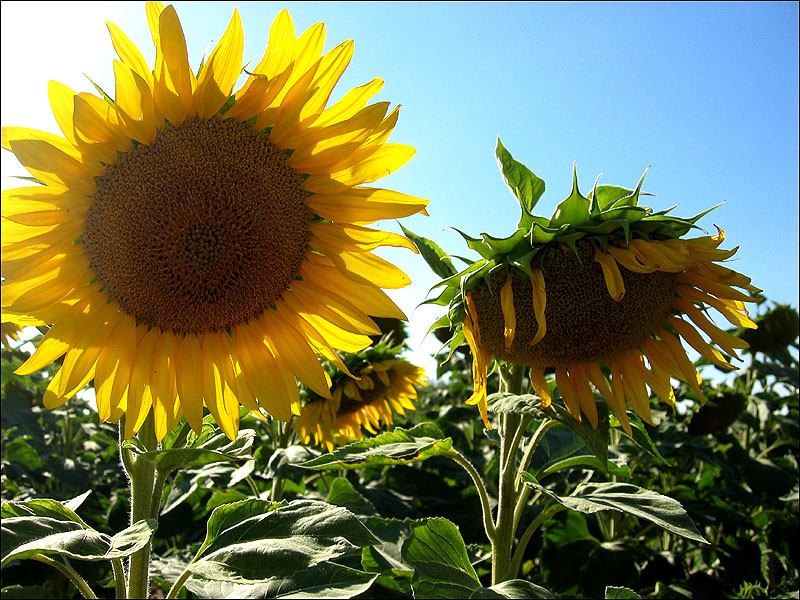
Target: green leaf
<point>620,593</point>
<point>258,541</point>
<point>662,510</point>
<point>596,440</point>
<point>41,507</point>
<point>517,588</point>
<point>325,580</point>
<point>526,187</point>
<point>585,461</point>
<point>217,449</point>
<point>20,451</point>
<point>574,210</point>
<point>640,436</point>
<point>24,537</point>
<point>398,447</point>
<point>436,258</point>
<point>442,568</point>
<point>342,493</point>
<point>387,555</point>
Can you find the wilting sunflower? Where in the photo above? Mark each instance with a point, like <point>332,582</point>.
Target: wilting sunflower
<point>602,293</point>
<point>384,382</point>
<point>191,245</point>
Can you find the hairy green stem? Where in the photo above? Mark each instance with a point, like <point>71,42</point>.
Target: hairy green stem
<point>519,551</point>
<point>510,437</point>
<point>486,509</point>
<point>70,573</point>
<point>142,477</point>
<point>527,456</point>
<point>119,578</point>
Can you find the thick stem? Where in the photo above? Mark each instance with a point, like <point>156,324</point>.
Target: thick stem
<point>510,437</point>
<point>142,477</point>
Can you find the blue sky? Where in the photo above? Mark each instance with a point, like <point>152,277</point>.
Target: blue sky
<point>705,94</point>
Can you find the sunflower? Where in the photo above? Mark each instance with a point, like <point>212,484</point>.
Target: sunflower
<point>192,245</point>
<point>602,293</point>
<point>8,332</point>
<point>384,382</point>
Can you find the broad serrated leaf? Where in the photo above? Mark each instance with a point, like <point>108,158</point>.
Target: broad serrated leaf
<point>23,537</point>
<point>620,593</point>
<point>397,447</point>
<point>342,493</point>
<point>442,568</point>
<point>585,461</point>
<point>436,258</point>
<point>257,541</point>
<point>41,507</point>
<point>387,555</point>
<point>325,580</point>
<point>523,183</point>
<point>662,510</point>
<point>217,449</point>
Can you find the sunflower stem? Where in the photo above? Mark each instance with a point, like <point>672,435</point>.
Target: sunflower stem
<point>486,509</point>
<point>142,476</point>
<point>66,569</point>
<point>511,429</point>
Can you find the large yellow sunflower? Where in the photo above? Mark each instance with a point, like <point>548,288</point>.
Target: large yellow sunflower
<point>602,293</point>
<point>191,245</point>
<point>385,382</point>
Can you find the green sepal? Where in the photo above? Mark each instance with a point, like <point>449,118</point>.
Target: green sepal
<point>575,209</point>
<point>542,232</point>
<point>523,183</point>
<point>477,244</point>
<point>105,96</point>
<point>506,244</point>
<point>443,299</point>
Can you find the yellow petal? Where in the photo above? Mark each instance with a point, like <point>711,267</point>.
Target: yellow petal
<point>540,386</point>
<point>188,384</point>
<point>357,239</point>
<point>726,341</point>
<point>113,369</point>
<point>509,316</point>
<point>220,73</point>
<point>728,310</point>
<point>387,159</point>
<point>614,283</point>
<point>140,397</point>
<point>362,206</point>
<point>313,299</point>
<point>219,383</point>
<point>539,304</point>
<point>162,384</point>
<point>567,394</point>
<point>96,121</point>
<point>687,371</point>
<point>294,349</point>
<point>583,393</point>
<point>134,104</point>
<point>350,104</point>
<point>364,267</point>
<point>61,103</point>
<point>50,159</point>
<point>261,371</point>
<point>697,342</point>
<point>129,53</point>
<point>172,88</point>
<point>154,9</point>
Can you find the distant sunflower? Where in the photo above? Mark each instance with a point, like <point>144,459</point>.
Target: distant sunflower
<point>600,293</point>
<point>384,383</point>
<point>192,245</point>
<point>8,332</point>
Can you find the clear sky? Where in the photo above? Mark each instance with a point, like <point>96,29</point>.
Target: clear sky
<point>705,94</point>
